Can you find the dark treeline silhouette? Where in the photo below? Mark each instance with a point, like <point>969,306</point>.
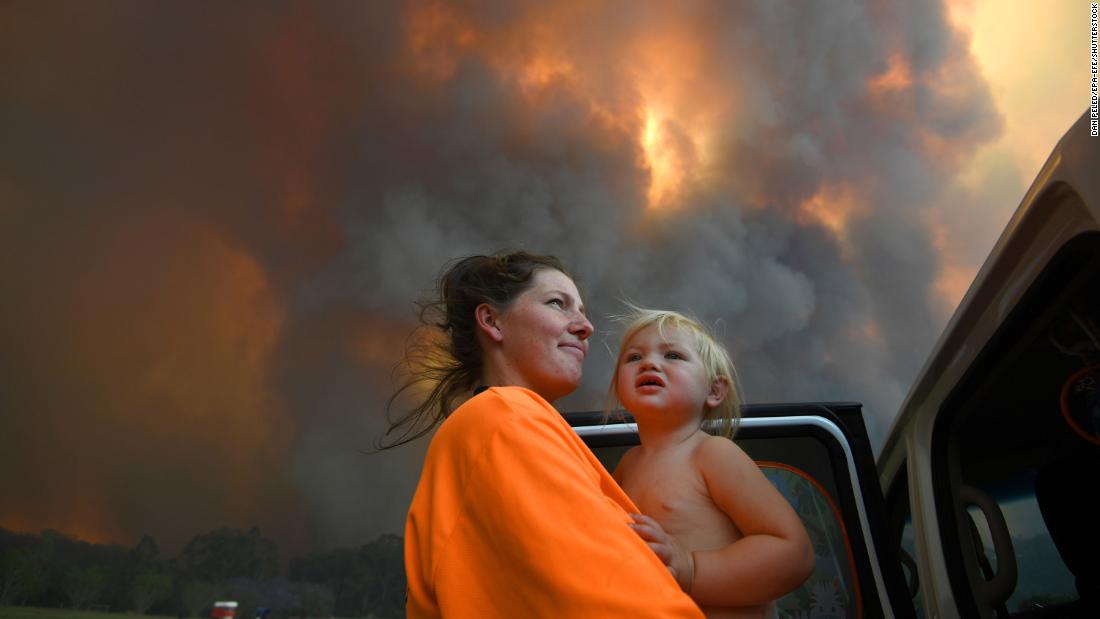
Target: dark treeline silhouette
<point>52,569</point>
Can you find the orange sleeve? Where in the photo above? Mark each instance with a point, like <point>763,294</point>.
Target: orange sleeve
<point>537,534</point>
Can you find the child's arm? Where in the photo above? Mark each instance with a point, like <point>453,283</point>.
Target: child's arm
<point>773,558</point>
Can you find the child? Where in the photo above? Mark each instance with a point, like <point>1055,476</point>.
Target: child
<point>731,540</point>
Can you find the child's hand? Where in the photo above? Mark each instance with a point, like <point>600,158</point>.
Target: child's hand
<point>668,549</point>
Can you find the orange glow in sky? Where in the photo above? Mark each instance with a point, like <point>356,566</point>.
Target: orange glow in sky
<point>1028,55</point>
<point>897,77</point>
<point>671,104</point>
<point>832,207</point>
<point>1034,59</point>
<point>670,157</point>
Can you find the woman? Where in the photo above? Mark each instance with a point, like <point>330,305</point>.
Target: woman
<point>513,515</point>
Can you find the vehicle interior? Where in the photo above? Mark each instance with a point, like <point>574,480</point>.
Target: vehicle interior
<point>1017,448</point>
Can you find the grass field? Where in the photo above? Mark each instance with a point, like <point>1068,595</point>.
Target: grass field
<point>31,612</point>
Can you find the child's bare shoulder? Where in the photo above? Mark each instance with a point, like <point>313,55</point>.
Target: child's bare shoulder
<point>625,462</point>
<point>629,456</point>
<point>717,451</point>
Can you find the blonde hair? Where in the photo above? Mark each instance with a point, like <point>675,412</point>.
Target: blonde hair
<point>714,357</point>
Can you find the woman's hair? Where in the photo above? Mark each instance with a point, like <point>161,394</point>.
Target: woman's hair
<point>444,356</point>
<point>716,361</point>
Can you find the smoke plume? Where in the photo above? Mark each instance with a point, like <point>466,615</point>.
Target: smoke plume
<point>216,220</point>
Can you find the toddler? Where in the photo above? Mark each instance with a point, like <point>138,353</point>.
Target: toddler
<point>728,536</point>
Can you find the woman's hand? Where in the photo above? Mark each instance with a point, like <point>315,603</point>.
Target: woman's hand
<point>668,549</point>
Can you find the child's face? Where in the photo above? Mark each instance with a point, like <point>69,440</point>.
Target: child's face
<point>662,374</point>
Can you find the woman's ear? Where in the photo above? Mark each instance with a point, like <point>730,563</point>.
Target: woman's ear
<point>488,321</point>
<point>719,389</point>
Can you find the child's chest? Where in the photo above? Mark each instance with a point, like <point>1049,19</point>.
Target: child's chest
<point>662,485</point>
<point>673,492</point>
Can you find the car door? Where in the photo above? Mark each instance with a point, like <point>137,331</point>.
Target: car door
<point>992,468</point>
<point>818,456</point>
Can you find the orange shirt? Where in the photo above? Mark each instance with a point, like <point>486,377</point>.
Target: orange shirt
<point>514,517</point>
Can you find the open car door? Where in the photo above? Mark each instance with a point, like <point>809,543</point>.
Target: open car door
<point>992,468</point>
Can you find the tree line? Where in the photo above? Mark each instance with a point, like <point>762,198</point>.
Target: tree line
<point>52,569</point>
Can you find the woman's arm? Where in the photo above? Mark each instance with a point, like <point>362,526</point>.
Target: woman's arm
<point>542,531</point>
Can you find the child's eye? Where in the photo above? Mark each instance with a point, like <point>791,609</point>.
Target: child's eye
<point>632,357</point>
<point>672,354</point>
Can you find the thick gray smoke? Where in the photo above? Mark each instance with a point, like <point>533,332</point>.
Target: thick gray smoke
<point>350,152</point>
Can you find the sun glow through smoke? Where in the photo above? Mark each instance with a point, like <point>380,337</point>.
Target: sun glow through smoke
<point>832,207</point>
<point>669,158</point>
<point>674,110</point>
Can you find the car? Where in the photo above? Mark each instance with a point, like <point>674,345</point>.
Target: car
<point>983,501</point>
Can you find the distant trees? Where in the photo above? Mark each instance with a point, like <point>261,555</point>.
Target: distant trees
<point>224,553</point>
<point>52,569</point>
<point>23,566</point>
<point>199,595</point>
<point>364,581</point>
<point>149,587</point>
<point>318,600</point>
<point>83,585</point>
<point>149,583</point>
<point>20,578</point>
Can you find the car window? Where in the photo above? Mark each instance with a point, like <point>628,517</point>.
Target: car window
<point>1042,579</point>
<point>832,590</point>
<point>1016,455</point>
<point>902,535</point>
<point>908,547</point>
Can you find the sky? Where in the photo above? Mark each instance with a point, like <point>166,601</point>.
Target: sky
<point>216,219</point>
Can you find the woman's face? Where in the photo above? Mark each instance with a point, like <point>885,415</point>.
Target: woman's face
<point>544,336</point>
